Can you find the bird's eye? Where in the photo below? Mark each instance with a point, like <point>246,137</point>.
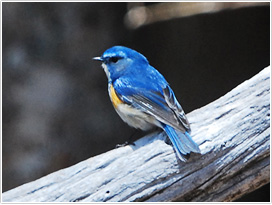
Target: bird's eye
<point>114,59</point>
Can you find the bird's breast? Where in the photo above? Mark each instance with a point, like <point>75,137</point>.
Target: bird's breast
<point>114,98</point>
<point>132,116</point>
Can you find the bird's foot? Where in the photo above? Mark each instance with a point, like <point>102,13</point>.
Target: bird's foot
<point>125,144</point>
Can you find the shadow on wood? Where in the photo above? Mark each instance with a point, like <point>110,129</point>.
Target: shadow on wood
<point>234,137</point>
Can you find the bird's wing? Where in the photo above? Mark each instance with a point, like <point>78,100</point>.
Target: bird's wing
<point>162,104</point>
<point>174,105</point>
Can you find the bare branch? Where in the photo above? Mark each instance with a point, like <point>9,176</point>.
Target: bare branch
<point>140,15</point>
<point>234,137</point>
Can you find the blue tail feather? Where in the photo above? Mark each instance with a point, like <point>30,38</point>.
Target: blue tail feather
<point>182,142</point>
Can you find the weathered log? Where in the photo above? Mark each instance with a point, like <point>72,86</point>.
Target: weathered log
<point>234,137</point>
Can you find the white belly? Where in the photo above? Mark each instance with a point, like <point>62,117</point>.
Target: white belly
<point>136,118</point>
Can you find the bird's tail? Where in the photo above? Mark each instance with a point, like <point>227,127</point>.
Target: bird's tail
<point>182,142</point>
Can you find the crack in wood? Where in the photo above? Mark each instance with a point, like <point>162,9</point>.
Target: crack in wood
<point>234,137</point>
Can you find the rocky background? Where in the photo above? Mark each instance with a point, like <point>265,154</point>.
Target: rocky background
<point>56,109</point>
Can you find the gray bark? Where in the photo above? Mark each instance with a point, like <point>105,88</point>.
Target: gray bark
<point>234,137</point>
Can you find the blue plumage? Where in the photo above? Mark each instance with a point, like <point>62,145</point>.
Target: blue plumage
<point>143,98</point>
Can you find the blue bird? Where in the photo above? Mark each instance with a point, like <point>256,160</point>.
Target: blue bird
<point>143,98</point>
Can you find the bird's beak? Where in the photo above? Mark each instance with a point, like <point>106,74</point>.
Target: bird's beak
<point>97,59</point>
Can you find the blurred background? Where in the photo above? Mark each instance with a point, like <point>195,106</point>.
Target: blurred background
<point>56,109</point>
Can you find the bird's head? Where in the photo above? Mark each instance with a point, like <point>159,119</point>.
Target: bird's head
<point>120,60</point>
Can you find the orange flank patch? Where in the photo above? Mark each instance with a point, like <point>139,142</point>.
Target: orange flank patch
<point>114,98</point>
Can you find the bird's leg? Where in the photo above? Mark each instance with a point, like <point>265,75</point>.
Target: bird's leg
<point>129,142</point>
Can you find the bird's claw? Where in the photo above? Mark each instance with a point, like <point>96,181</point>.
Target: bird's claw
<point>125,144</point>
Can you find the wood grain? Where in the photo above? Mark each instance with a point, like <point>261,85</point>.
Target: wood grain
<point>234,137</point>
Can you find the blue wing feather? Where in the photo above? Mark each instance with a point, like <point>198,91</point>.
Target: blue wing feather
<point>156,99</point>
